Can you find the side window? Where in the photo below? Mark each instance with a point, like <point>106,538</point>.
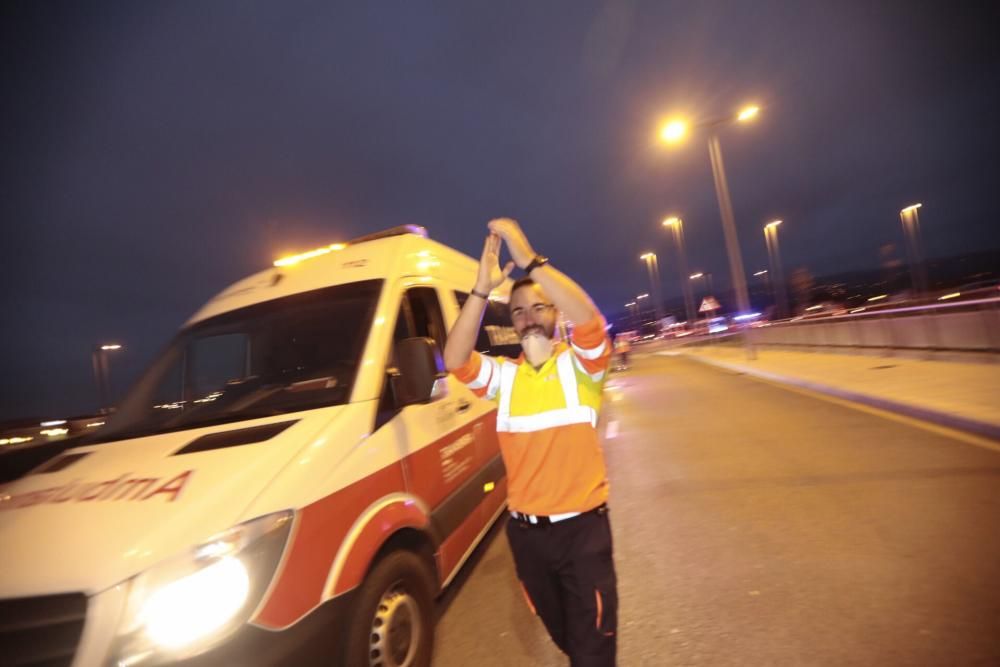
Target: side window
<point>496,336</point>
<point>425,309</point>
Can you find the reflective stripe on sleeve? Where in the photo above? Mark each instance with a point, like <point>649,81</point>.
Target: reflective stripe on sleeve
<point>596,377</point>
<point>485,371</point>
<point>590,354</point>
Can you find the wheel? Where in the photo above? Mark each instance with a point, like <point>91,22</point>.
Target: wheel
<point>394,621</point>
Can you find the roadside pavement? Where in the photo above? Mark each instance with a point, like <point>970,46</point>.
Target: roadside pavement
<point>959,395</point>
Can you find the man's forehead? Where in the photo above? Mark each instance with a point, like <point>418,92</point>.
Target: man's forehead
<point>528,295</point>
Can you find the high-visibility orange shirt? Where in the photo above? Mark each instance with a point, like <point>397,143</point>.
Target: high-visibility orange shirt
<point>547,421</point>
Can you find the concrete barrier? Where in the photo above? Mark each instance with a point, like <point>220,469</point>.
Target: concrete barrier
<point>968,331</point>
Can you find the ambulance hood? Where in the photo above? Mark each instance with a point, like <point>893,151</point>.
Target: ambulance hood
<point>99,514</point>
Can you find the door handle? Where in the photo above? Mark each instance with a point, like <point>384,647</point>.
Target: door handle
<point>462,406</point>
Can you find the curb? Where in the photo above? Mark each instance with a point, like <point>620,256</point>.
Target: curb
<point>987,429</point>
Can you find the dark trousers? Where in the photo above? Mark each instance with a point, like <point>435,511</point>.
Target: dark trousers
<point>568,575</point>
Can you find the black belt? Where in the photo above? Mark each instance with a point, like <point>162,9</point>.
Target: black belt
<point>540,520</point>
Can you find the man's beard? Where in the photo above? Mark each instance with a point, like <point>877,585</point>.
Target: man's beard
<point>537,329</point>
<point>537,344</point>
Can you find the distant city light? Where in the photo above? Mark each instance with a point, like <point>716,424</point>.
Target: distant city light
<point>695,276</point>
<point>759,273</point>
<point>857,310</point>
<point>879,297</point>
<point>111,346</point>
<point>949,296</point>
<point>642,296</point>
<point>746,316</point>
<point>16,440</point>
<point>54,422</point>
<point>814,308</point>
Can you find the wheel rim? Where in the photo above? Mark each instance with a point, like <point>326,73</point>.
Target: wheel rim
<point>395,634</point>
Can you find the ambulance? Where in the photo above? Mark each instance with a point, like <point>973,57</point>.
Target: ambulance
<point>293,481</point>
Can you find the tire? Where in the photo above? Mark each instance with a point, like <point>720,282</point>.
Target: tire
<point>393,623</point>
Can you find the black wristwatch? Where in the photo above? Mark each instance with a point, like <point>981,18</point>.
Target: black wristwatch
<point>538,261</point>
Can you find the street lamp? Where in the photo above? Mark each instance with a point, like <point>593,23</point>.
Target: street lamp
<point>673,132</point>
<point>911,230</point>
<point>780,293</point>
<point>676,226</point>
<point>633,310</point>
<point>102,376</point>
<point>706,281</point>
<point>653,270</point>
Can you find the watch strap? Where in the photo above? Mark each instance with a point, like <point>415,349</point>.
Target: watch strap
<point>476,292</point>
<point>537,262</point>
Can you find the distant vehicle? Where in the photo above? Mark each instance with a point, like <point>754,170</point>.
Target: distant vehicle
<point>291,482</point>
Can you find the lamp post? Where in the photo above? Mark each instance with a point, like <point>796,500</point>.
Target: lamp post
<point>633,311</point>
<point>777,276</point>
<point>706,282</point>
<point>673,132</point>
<point>676,226</point>
<point>911,230</point>
<point>653,270</point>
<point>102,375</point>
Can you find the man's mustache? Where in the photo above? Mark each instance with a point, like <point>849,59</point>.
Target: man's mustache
<point>533,329</point>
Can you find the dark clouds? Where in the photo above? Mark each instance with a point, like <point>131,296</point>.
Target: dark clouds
<point>154,152</point>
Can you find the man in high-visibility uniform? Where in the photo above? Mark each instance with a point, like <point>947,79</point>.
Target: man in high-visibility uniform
<point>547,405</point>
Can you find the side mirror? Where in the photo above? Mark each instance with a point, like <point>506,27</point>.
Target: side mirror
<point>418,367</point>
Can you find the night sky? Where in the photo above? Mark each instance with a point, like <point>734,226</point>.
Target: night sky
<point>154,152</point>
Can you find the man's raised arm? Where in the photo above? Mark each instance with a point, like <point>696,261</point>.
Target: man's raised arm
<point>462,337</point>
<point>565,293</point>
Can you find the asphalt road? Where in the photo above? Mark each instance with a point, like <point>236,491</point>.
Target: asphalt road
<point>755,525</point>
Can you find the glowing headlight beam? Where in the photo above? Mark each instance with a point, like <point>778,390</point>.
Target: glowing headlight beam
<point>197,605</point>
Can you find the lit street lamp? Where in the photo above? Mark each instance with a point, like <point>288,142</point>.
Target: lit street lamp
<point>777,279</point>
<point>676,226</point>
<point>676,130</point>
<point>633,310</point>
<point>102,376</point>
<point>706,282</point>
<point>911,230</point>
<point>653,270</point>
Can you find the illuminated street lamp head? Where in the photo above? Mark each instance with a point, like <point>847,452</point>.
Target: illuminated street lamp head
<point>747,113</point>
<point>647,256</point>
<point>111,346</point>
<point>772,224</point>
<point>674,131</point>
<point>911,207</point>
<point>671,221</point>
<point>642,296</point>
<point>695,276</point>
<point>761,273</point>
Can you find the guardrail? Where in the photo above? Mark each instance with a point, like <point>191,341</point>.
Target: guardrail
<point>967,327</point>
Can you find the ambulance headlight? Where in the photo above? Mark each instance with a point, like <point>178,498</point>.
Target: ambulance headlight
<point>189,604</point>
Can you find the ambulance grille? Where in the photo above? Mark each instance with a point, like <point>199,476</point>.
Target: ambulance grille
<point>41,631</point>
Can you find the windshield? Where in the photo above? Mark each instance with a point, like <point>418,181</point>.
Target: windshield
<point>285,355</point>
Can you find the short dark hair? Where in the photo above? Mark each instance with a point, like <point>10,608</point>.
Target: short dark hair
<point>524,281</point>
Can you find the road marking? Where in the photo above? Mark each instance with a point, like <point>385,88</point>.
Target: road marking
<point>611,432</point>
